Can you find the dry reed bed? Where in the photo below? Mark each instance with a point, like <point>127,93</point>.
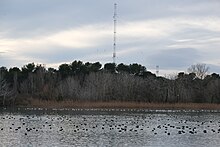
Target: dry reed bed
<point>128,105</point>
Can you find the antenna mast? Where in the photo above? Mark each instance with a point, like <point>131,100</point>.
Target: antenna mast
<point>115,24</point>
<point>157,70</point>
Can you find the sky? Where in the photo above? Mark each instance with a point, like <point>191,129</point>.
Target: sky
<point>171,34</point>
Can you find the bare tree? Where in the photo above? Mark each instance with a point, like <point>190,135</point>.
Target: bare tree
<point>201,70</point>
<point>4,89</point>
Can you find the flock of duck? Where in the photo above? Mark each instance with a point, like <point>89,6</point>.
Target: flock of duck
<point>119,124</point>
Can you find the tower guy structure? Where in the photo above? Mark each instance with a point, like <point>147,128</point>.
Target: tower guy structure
<point>115,32</point>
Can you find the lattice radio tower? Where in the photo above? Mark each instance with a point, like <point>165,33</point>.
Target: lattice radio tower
<point>115,32</point>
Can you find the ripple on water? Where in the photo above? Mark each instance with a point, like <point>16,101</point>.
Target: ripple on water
<point>109,127</point>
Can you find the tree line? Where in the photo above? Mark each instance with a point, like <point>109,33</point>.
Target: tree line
<point>80,81</point>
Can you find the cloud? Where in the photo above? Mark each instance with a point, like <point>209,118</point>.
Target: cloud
<point>175,58</point>
<point>135,39</point>
<point>201,7</point>
<point>213,68</point>
<point>172,34</point>
<point>84,37</point>
<point>42,17</point>
<point>68,41</point>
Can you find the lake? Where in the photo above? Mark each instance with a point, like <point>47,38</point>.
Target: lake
<point>109,127</point>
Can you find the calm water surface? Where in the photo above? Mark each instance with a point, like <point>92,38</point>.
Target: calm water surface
<point>100,127</point>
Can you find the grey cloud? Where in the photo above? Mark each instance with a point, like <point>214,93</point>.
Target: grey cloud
<point>7,61</point>
<point>175,58</point>
<point>58,54</point>
<point>214,68</point>
<point>195,32</point>
<point>37,18</point>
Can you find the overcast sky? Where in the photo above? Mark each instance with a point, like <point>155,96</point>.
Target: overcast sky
<point>173,34</point>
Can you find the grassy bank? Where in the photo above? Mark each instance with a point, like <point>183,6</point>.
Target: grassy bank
<point>116,104</point>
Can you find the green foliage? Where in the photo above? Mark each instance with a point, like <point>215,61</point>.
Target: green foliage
<point>110,67</point>
<point>76,67</point>
<point>28,68</point>
<point>3,71</point>
<point>95,67</point>
<point>65,70</point>
<point>11,74</point>
<point>51,70</point>
<point>123,68</point>
<point>136,69</point>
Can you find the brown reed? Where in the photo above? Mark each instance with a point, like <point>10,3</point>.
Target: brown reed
<point>117,104</point>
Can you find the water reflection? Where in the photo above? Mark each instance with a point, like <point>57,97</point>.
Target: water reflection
<point>38,127</point>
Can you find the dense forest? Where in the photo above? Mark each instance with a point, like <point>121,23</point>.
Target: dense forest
<point>80,81</point>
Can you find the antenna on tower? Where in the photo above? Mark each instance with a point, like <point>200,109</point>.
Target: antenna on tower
<point>157,70</point>
<point>115,25</point>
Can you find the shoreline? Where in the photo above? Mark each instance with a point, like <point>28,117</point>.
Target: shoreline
<point>120,105</point>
